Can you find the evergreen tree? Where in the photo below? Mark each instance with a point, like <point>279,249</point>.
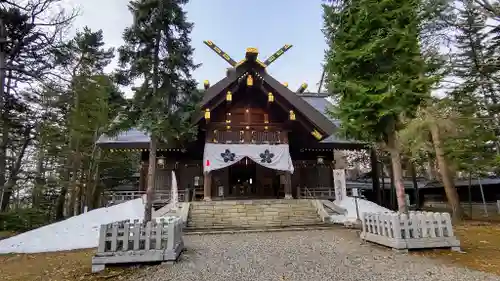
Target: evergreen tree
<point>157,51</point>
<point>478,93</point>
<point>375,71</point>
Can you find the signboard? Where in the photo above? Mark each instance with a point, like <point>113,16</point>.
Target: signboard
<point>339,184</point>
<point>355,192</point>
<point>221,191</point>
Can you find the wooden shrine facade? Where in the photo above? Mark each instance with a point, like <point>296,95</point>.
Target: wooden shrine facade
<point>250,107</point>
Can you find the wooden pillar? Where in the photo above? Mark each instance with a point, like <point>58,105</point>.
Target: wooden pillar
<point>143,176</point>
<point>288,185</point>
<point>207,186</point>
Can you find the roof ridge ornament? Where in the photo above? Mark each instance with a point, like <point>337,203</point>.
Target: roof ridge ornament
<point>251,54</point>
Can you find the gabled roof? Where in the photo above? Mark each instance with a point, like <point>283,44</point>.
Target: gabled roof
<point>318,102</point>
<point>123,139</point>
<point>310,113</point>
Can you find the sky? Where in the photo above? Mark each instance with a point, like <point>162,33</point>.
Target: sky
<point>233,25</point>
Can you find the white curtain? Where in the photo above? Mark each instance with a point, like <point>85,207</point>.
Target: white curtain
<point>217,156</point>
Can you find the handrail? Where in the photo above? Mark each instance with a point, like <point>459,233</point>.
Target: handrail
<point>309,192</point>
<point>159,196</point>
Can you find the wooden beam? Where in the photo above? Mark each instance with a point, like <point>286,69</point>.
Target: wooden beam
<point>219,52</point>
<point>287,108</point>
<point>277,54</point>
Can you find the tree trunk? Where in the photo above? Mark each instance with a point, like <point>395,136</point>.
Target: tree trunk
<point>415,184</point>
<point>73,185</point>
<point>39,178</point>
<point>392,145</point>
<point>449,186</point>
<point>14,172</point>
<point>5,131</point>
<point>61,200</point>
<point>148,207</point>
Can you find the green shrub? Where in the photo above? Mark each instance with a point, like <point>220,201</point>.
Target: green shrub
<point>21,220</point>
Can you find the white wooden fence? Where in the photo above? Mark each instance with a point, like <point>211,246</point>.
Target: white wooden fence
<point>136,242</point>
<point>417,230</point>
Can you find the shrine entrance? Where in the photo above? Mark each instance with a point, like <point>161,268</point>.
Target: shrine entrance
<point>242,179</point>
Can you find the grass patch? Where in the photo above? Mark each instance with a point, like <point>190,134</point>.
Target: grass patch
<point>56,266</point>
<point>480,241</point>
<point>6,234</point>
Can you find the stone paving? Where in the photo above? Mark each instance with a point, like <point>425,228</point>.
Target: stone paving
<point>334,254</point>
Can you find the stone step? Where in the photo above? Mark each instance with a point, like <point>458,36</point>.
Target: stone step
<point>253,208</point>
<point>227,230</point>
<point>252,214</point>
<point>254,221</point>
<point>241,220</point>
<point>200,226</point>
<point>267,218</point>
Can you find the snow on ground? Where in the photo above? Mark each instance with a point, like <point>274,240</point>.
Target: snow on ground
<point>349,204</point>
<point>78,232</point>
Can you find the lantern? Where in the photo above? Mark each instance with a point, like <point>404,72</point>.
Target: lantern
<point>270,97</point>
<point>292,115</point>
<point>320,160</point>
<point>207,114</point>
<point>285,84</point>
<point>229,96</point>
<point>206,84</point>
<point>249,80</point>
<point>160,161</point>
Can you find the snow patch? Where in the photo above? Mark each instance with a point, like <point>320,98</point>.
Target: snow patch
<point>349,204</point>
<point>78,232</point>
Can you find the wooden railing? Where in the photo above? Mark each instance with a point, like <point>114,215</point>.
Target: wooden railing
<point>322,192</point>
<point>250,135</point>
<point>159,197</point>
<point>317,192</point>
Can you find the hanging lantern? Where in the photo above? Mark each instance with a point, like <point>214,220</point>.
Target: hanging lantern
<point>249,80</point>
<point>160,161</point>
<point>270,97</point>
<point>228,127</point>
<point>206,84</point>
<point>320,160</point>
<point>266,127</point>
<point>292,115</point>
<point>215,136</point>
<point>229,96</point>
<point>207,114</point>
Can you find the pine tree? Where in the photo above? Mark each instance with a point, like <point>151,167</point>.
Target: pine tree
<point>474,64</point>
<point>375,71</point>
<point>157,50</point>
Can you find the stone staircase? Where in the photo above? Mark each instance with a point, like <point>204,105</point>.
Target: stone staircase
<point>252,214</point>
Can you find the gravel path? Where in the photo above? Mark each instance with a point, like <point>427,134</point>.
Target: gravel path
<point>299,256</point>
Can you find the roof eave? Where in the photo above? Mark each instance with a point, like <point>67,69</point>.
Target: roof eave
<point>311,113</point>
